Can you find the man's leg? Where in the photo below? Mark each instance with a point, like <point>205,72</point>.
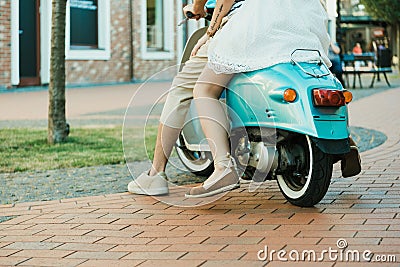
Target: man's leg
<point>153,182</point>
<point>166,138</point>
<point>175,109</point>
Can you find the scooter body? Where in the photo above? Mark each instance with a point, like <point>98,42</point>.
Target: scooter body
<point>257,97</point>
<point>292,139</point>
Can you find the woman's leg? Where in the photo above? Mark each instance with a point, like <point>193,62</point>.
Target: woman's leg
<point>210,111</point>
<point>215,127</point>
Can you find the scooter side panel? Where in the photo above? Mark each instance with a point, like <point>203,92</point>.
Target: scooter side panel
<point>257,99</point>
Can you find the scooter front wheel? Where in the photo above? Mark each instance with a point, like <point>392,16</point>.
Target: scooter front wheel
<point>197,162</point>
<point>307,183</point>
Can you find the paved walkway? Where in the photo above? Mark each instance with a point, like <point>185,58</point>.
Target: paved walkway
<point>128,230</point>
<point>106,105</point>
<point>85,107</point>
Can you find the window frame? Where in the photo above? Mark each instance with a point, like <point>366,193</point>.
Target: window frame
<point>168,33</point>
<point>103,51</point>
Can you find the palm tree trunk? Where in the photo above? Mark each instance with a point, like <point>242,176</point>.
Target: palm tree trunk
<point>57,125</point>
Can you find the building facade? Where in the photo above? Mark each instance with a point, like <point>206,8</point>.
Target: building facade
<point>121,40</point>
<point>357,26</point>
<point>5,42</point>
<point>106,41</point>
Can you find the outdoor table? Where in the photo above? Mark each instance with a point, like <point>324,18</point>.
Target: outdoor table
<point>358,64</point>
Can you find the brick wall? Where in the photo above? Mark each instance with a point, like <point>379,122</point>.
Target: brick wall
<point>118,68</point>
<point>124,65</point>
<point>5,43</point>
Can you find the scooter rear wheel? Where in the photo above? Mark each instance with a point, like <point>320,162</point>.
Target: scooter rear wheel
<point>308,183</point>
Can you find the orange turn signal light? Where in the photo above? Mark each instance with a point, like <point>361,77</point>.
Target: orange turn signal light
<point>289,95</point>
<point>348,96</point>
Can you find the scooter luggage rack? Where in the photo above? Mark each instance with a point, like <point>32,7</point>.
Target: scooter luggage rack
<point>320,62</point>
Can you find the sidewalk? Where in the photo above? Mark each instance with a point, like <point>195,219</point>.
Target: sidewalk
<point>85,107</point>
<point>106,105</point>
<point>129,230</point>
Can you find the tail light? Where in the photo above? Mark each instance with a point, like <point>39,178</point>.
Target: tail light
<point>330,98</point>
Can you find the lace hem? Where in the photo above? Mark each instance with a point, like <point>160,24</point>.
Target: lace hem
<point>222,66</point>
<point>219,66</point>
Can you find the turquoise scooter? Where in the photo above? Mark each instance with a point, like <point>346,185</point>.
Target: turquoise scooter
<point>289,123</point>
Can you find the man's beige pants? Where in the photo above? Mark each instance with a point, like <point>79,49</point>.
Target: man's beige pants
<point>181,93</point>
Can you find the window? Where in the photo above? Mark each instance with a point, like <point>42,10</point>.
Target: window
<point>157,29</point>
<point>155,23</point>
<point>83,24</point>
<point>88,30</point>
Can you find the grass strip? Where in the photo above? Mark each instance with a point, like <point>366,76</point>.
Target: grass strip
<point>27,149</point>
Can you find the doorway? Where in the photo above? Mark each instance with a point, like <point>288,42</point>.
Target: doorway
<point>29,42</point>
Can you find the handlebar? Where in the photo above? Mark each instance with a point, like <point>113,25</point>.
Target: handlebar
<point>189,15</point>
<point>209,12</point>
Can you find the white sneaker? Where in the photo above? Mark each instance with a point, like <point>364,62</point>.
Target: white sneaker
<point>145,184</point>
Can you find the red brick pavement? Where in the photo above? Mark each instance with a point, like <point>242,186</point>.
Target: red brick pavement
<point>129,230</point>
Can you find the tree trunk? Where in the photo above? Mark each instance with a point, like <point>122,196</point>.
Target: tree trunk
<point>57,125</point>
<point>397,44</point>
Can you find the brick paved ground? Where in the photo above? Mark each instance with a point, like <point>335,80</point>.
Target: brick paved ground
<point>124,229</point>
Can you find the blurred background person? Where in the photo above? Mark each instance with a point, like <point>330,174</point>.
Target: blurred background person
<point>334,57</point>
<point>357,50</point>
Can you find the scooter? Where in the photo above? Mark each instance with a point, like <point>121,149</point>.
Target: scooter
<point>289,123</point>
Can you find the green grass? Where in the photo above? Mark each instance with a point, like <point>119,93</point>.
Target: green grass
<point>27,149</point>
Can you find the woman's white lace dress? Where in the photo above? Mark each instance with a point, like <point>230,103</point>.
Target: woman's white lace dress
<point>263,33</point>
